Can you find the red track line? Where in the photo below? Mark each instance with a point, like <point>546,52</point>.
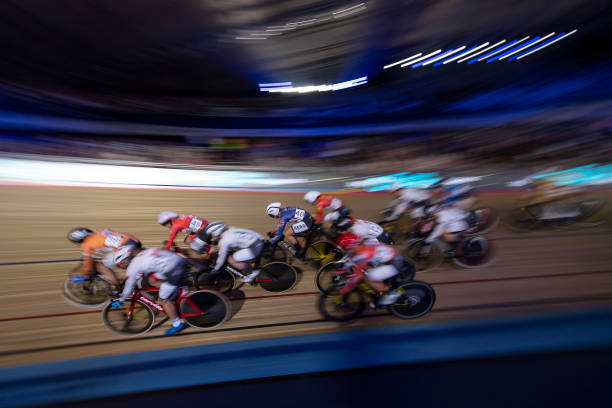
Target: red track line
<point>553,275</point>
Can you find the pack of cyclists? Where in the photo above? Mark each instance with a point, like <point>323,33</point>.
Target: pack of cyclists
<point>367,244</point>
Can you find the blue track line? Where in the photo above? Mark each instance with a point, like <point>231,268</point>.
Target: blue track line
<point>37,262</point>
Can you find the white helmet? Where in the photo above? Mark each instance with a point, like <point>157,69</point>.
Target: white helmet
<point>312,196</point>
<point>213,230</point>
<point>273,209</point>
<point>166,216</point>
<point>395,186</point>
<point>123,256</point>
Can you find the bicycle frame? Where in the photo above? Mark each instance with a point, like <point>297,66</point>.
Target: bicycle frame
<point>137,295</point>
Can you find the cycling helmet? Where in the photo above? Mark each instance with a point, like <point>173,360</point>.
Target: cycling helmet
<point>348,241</point>
<point>273,209</point>
<point>395,187</point>
<point>166,216</point>
<point>123,256</point>
<point>312,196</point>
<point>77,235</point>
<point>212,230</point>
<point>345,223</point>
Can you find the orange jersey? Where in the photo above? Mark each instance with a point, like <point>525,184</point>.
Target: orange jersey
<point>100,243</point>
<point>189,224</point>
<point>327,202</point>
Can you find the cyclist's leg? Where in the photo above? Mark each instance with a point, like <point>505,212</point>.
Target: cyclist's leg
<point>108,273</point>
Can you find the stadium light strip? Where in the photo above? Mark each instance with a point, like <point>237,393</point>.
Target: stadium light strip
<point>435,58</point>
<point>272,84</point>
<point>480,52</point>
<point>422,58</point>
<point>446,54</point>
<point>502,49</point>
<point>477,47</point>
<point>317,88</point>
<point>511,51</point>
<point>527,46</point>
<point>404,60</point>
<point>546,44</point>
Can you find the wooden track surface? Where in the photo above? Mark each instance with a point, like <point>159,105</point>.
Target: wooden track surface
<point>535,272</point>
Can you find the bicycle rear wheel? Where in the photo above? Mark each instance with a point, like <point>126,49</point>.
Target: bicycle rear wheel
<point>328,276</point>
<point>417,299</point>
<point>139,322</point>
<point>323,252</point>
<point>91,293</point>
<point>205,309</point>
<point>340,308</point>
<point>223,282</point>
<point>277,277</point>
<point>475,252</point>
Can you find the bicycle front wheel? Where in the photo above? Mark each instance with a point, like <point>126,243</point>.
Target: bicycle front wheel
<point>329,276</point>
<point>277,277</point>
<point>223,282</point>
<point>340,308</point>
<point>120,321</point>
<point>91,293</point>
<point>417,299</point>
<point>205,309</point>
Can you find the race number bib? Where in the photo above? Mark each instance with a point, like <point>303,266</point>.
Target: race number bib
<point>195,224</point>
<point>112,241</point>
<point>299,227</point>
<point>374,229</point>
<point>299,214</point>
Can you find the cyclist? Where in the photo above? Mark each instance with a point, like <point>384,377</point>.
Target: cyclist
<point>368,231</point>
<point>245,245</point>
<point>189,224</point>
<point>159,268</point>
<point>458,195</point>
<point>299,222</point>
<point>405,199</point>
<point>97,248</point>
<point>450,222</point>
<point>326,202</point>
<point>374,262</point>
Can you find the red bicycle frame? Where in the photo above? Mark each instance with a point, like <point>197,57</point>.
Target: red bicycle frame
<point>137,295</point>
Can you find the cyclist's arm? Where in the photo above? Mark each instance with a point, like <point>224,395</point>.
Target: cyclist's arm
<point>319,214</point>
<point>280,228</point>
<point>221,255</point>
<point>173,232</point>
<point>88,261</point>
<point>437,232</point>
<point>130,284</point>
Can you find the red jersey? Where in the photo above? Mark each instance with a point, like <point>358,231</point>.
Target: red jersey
<point>189,224</point>
<point>325,202</point>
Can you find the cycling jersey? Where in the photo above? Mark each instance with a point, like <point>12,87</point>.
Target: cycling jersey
<point>95,246</point>
<point>234,239</point>
<point>366,230</point>
<point>450,219</point>
<point>189,224</point>
<point>325,202</point>
<point>159,264</point>
<point>301,218</point>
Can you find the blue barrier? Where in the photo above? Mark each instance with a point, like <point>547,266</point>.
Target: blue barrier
<point>99,377</point>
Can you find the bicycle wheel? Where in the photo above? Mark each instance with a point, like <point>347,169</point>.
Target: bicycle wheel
<point>340,308</point>
<point>223,282</point>
<point>323,252</point>
<point>328,276</point>
<point>417,299</point>
<point>91,293</point>
<point>140,321</point>
<point>205,309</point>
<point>474,252</point>
<point>277,277</point>
<point>423,263</point>
<point>520,220</point>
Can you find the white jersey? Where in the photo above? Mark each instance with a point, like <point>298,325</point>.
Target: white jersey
<point>413,195</point>
<point>163,265</point>
<point>366,230</point>
<point>449,219</point>
<point>233,239</point>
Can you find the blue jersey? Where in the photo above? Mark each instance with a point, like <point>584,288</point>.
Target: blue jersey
<point>292,214</point>
<point>452,194</point>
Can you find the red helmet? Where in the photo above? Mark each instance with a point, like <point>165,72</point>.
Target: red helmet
<point>348,240</point>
